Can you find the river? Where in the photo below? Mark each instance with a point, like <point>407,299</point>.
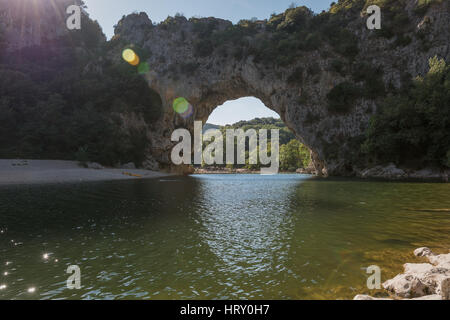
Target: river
<point>214,236</point>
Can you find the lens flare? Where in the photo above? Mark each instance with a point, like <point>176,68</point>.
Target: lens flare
<point>180,105</point>
<point>128,55</point>
<point>189,112</point>
<point>143,68</point>
<point>135,62</point>
<point>131,57</point>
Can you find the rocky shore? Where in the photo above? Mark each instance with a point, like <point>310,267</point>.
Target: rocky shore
<point>420,281</point>
<point>392,172</point>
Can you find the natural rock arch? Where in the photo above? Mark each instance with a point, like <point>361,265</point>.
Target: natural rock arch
<point>184,64</point>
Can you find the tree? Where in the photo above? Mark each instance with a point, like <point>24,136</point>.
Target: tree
<point>294,155</point>
<point>411,127</point>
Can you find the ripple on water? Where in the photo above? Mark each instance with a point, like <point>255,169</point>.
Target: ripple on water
<point>214,237</point>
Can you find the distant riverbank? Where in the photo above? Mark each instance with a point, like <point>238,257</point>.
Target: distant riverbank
<point>219,170</point>
<point>15,172</point>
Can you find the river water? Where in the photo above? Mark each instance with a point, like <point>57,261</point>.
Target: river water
<point>214,236</point>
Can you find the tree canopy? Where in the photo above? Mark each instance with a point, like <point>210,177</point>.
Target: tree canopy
<point>412,126</point>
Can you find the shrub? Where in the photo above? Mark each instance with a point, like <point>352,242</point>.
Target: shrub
<point>295,18</point>
<point>203,48</point>
<point>372,78</point>
<point>314,69</point>
<point>402,40</point>
<point>424,5</point>
<point>189,67</point>
<point>312,41</point>
<point>296,77</point>
<point>342,97</point>
<point>337,66</point>
<point>82,156</point>
<point>345,43</point>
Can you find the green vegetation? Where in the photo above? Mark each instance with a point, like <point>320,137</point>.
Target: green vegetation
<point>281,38</point>
<point>74,104</point>
<point>396,22</point>
<point>286,134</point>
<point>368,83</point>
<point>424,5</point>
<point>293,154</point>
<point>411,127</point>
<point>284,37</point>
<point>342,97</point>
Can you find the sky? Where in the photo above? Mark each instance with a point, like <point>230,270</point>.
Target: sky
<point>233,111</point>
<point>109,12</point>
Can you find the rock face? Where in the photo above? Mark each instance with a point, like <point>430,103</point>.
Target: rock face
<point>208,80</point>
<point>183,64</point>
<point>421,281</point>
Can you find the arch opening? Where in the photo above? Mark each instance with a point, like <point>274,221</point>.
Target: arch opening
<point>250,113</point>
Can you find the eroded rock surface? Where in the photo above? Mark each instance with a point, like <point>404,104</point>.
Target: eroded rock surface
<point>215,75</point>
<point>183,62</point>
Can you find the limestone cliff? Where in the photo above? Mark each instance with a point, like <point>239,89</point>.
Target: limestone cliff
<point>324,74</point>
<point>183,64</point>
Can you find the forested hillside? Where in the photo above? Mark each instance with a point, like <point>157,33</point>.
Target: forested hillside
<point>293,154</point>
<point>74,103</point>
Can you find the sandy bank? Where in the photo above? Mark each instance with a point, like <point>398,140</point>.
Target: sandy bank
<point>13,172</point>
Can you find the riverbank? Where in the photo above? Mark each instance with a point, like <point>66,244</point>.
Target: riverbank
<point>220,170</point>
<point>16,172</point>
<point>392,172</point>
<point>224,171</point>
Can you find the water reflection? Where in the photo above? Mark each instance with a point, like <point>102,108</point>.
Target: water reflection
<point>247,225</point>
<point>213,237</point>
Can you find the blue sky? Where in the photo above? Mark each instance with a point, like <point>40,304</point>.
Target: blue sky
<point>109,12</point>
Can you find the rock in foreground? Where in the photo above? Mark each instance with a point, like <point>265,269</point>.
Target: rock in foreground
<point>420,281</point>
